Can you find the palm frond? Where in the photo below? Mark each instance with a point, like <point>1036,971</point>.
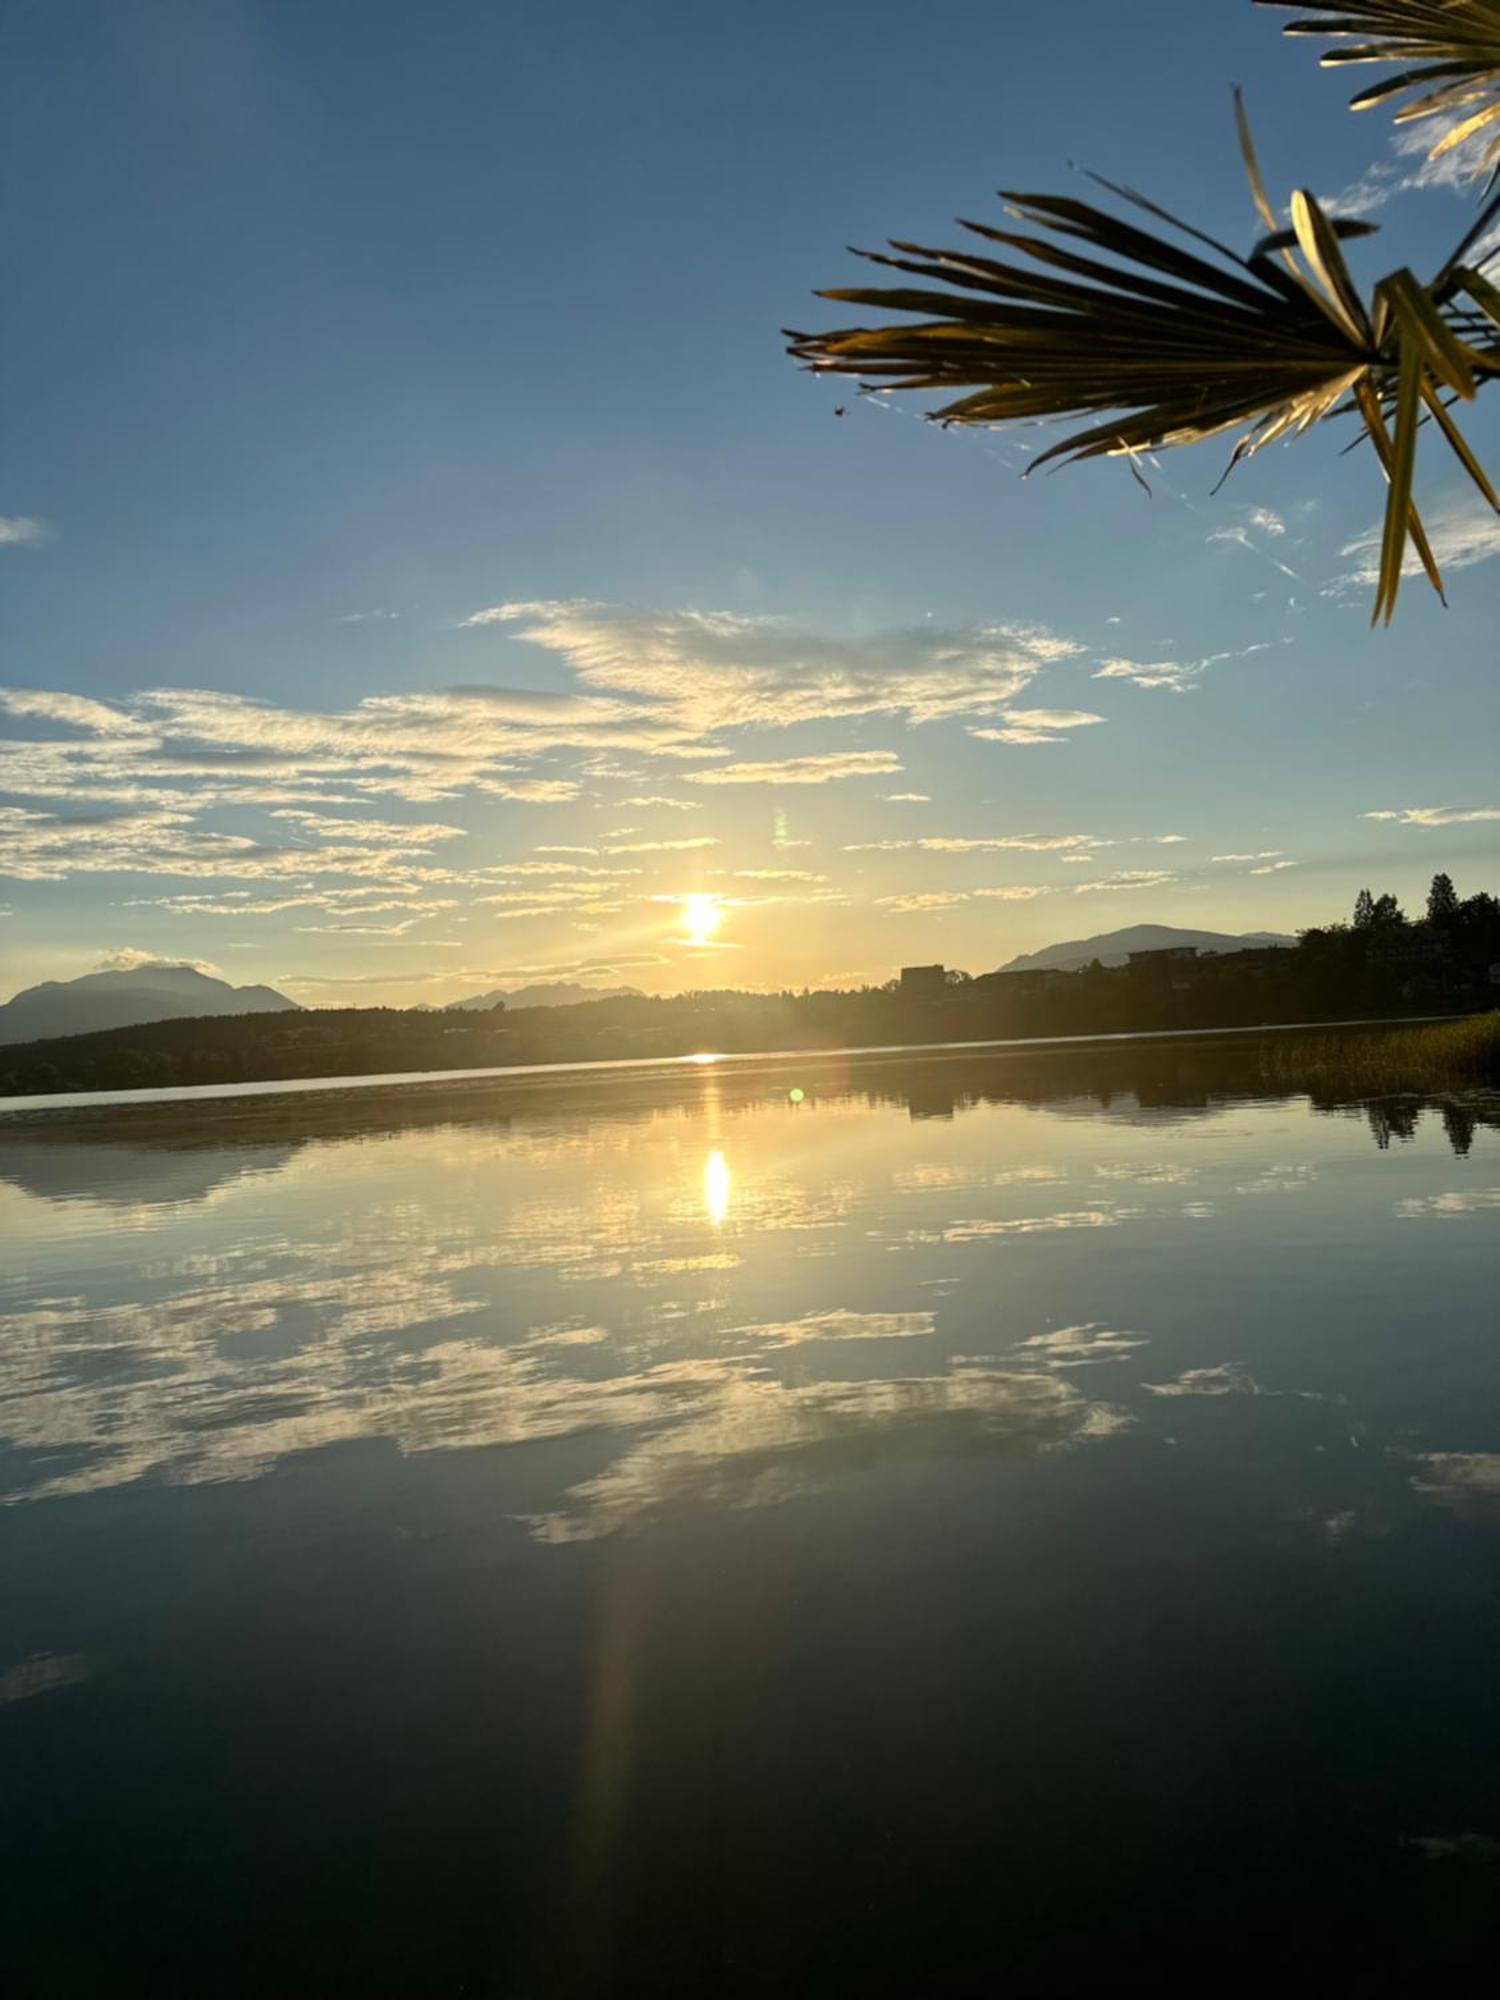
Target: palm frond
<point>1449,49</point>
<point>1157,345</point>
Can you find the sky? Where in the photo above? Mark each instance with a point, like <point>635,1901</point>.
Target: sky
<point>423,571</point>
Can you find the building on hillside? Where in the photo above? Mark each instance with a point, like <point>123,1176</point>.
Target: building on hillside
<point>923,982</point>
<point>1027,979</point>
<point>1163,958</point>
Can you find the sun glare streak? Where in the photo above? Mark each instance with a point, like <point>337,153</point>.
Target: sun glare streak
<point>716,1184</point>
<point>701,917</point>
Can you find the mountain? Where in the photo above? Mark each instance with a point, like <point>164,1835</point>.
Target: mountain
<point>563,993</point>
<point>1114,947</point>
<point>125,999</point>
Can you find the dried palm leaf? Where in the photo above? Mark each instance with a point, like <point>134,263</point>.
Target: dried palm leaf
<point>1160,345</point>
<point>1453,45</point>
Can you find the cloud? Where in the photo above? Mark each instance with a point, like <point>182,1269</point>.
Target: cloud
<point>22,531</point>
<point>1461,529</point>
<point>670,805</point>
<point>1431,816</point>
<point>803,770</point>
<point>1174,675</point>
<point>906,798</point>
<point>1015,894</point>
<point>936,899</point>
<point>1412,168</point>
<point>80,710</point>
<point>126,958</point>
<point>1036,725</point>
<point>716,670</point>
<point>663,846</point>
<point>1030,843</point>
<point>1265,854</point>
<point>46,847</point>
<point>1273,867</point>
<point>1125,878</point>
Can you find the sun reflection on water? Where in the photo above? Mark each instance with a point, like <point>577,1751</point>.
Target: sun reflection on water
<point>716,1185</point>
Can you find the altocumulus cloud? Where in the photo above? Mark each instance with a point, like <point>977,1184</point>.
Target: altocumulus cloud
<point>1431,816</point>
<point>716,670</point>
<point>802,770</point>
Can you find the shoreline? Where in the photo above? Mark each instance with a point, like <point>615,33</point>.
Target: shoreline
<point>105,1107</point>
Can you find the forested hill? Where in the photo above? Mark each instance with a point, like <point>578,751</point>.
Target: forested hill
<point>1380,965</point>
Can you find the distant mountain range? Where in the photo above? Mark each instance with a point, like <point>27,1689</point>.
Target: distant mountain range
<point>562,993</point>
<point>1114,947</point>
<point>125,999</point>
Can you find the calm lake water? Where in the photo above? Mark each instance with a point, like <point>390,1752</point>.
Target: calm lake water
<point>882,1527</point>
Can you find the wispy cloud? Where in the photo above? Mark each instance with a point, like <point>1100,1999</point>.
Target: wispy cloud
<point>128,958</point>
<point>1028,843</point>
<point>824,770</point>
<point>22,531</point>
<point>1036,725</point>
<point>1173,676</point>
<point>716,670</point>
<point>1125,878</point>
<point>1432,816</point>
<point>922,900</point>
<point>663,846</point>
<point>1410,167</point>
<point>1461,528</point>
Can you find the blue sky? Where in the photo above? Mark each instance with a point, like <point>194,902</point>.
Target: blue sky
<point>417,533</point>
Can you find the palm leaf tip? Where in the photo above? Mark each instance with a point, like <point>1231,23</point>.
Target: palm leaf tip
<point>1089,317</point>
<point>1449,57</point>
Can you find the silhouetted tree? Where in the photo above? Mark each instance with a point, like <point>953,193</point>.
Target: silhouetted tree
<point>1442,902</point>
<point>1364,910</point>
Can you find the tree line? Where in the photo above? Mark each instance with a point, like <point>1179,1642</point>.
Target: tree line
<point>1378,964</point>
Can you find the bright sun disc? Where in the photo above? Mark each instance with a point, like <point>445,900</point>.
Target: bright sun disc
<point>701,917</point>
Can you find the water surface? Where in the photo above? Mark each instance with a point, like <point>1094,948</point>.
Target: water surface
<point>848,1527</point>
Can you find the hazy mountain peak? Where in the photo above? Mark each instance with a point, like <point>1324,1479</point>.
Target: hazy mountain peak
<point>1115,947</point>
<point>557,993</point>
<point>125,997</point>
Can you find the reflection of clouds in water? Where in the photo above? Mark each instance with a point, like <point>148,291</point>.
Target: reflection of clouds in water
<point>1032,1225</point>
<point>1465,1480</point>
<point>1153,1173</point>
<point>1282,1177</point>
<point>1078,1346</point>
<point>936,1175</point>
<point>1461,1202</point>
<point>42,1673</point>
<point>1228,1378</point>
<point>837,1325</point>
<point>759,1443</point>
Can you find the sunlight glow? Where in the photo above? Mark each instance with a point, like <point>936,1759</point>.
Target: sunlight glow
<point>716,1188</point>
<point>701,917</point>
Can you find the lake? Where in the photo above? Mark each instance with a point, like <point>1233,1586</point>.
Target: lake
<point>874,1526</point>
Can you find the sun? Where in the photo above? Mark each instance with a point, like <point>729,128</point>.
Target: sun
<point>701,917</point>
